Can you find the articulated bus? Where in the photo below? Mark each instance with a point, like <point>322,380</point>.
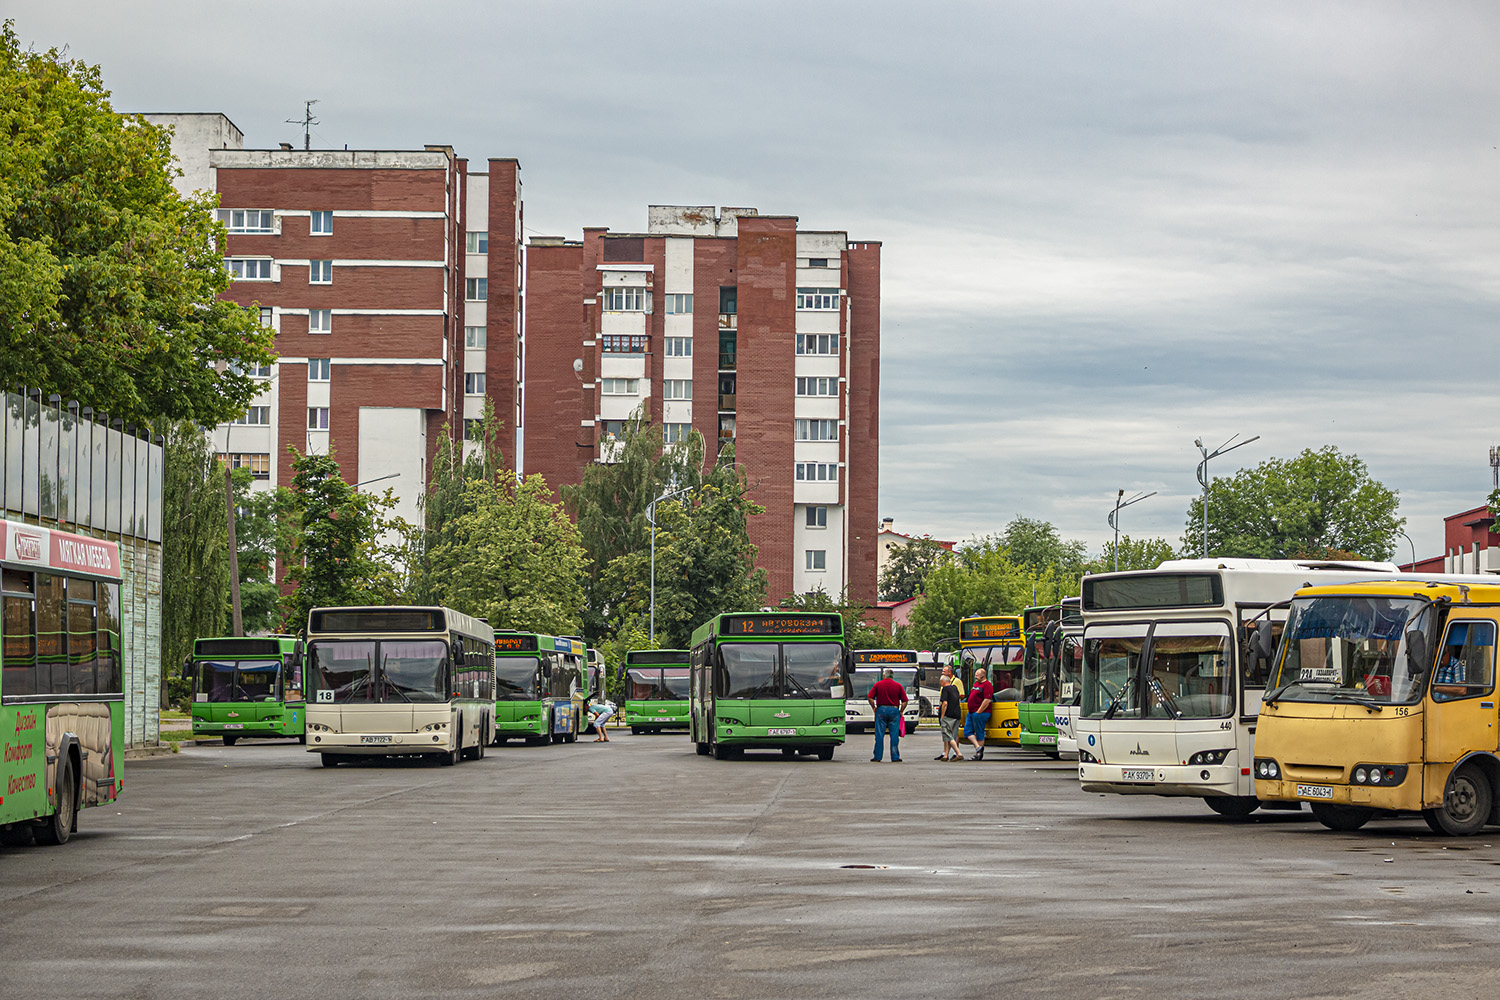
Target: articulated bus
<point>1382,700</point>
<point>399,681</point>
<point>539,687</point>
<point>998,644</point>
<point>656,689</point>
<point>771,680</point>
<point>1172,684</point>
<point>247,686</point>
<point>866,667</point>
<point>62,701</point>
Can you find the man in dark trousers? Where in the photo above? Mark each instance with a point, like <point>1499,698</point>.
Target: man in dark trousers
<point>887,700</point>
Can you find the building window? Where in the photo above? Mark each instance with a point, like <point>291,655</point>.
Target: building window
<point>673,433</point>
<point>625,343</point>
<point>473,383</point>
<point>318,369</point>
<point>259,464</point>
<point>479,243</point>
<point>817,343</point>
<point>817,386</point>
<point>676,388</point>
<point>728,300</point>
<point>679,304</point>
<point>320,321</point>
<point>817,262</point>
<point>612,430</point>
<point>473,428</point>
<point>817,298</point>
<point>255,416</point>
<point>249,268</point>
<point>817,517</point>
<point>248,220</point>
<point>474,336</point>
<point>268,317</point>
<point>679,347</point>
<point>254,371</point>
<point>476,289</point>
<point>817,430</point>
<point>321,224</point>
<point>632,299</point>
<point>320,272</point>
<point>817,472</point>
<point>619,386</point>
<point>317,418</point>
<point>817,559</point>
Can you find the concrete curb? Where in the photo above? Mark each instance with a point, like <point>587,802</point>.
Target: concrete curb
<point>140,753</point>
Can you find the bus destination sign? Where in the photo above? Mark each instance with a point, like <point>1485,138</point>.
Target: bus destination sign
<point>989,628</point>
<point>514,643</point>
<point>652,656</point>
<point>885,656</point>
<point>782,625</point>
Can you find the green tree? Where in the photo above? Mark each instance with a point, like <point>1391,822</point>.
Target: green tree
<point>194,552</point>
<point>983,581</point>
<point>1135,553</point>
<point>331,538</point>
<point>255,537</point>
<point>631,636</point>
<point>859,633</point>
<point>109,279</point>
<point>1037,546</point>
<point>907,568</point>
<point>1320,504</point>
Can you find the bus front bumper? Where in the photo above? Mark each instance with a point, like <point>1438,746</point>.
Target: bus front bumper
<point>789,736</point>
<point>377,744</point>
<point>261,727</point>
<point>1198,781</point>
<point>642,719</point>
<point>1405,797</point>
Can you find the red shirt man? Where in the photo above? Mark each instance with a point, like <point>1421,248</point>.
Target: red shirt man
<point>888,691</point>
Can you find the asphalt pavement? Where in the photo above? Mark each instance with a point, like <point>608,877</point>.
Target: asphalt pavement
<point>639,869</point>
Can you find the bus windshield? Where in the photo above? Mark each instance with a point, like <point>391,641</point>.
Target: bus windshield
<point>516,678</point>
<point>860,681</point>
<point>657,683</point>
<point>238,680</point>
<point>807,670</point>
<point>1187,676</point>
<point>1373,650</point>
<point>361,670</point>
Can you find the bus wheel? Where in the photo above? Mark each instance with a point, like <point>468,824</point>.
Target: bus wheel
<point>230,741</point>
<point>1053,755</point>
<point>635,730</point>
<point>825,753</point>
<point>330,759</point>
<point>1233,806</point>
<point>1466,804</point>
<point>788,752</point>
<point>57,828</point>
<point>16,836</point>
<point>302,739</point>
<point>702,749</point>
<point>721,752</point>
<point>1345,819</point>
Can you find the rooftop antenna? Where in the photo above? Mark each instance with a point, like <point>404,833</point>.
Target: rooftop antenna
<point>307,121</point>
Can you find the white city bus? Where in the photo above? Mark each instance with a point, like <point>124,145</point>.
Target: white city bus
<point>1174,669</point>
<point>865,667</point>
<point>394,681</point>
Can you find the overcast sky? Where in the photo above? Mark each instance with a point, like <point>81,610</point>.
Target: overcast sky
<point>1109,229</point>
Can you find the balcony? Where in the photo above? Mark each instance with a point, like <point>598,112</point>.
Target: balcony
<point>726,402</point>
<point>727,321</point>
<point>726,362</point>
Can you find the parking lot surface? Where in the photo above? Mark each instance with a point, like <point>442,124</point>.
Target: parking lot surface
<point>638,869</point>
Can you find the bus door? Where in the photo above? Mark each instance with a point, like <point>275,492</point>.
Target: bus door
<point>1462,717</point>
<point>1259,635</point>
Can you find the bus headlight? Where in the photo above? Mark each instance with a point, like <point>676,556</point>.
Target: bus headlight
<point>1265,767</point>
<point>1084,757</point>
<point>1378,774</point>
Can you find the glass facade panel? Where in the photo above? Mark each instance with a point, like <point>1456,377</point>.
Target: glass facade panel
<point>13,452</point>
<point>47,476</point>
<point>142,486</point>
<point>31,441</point>
<point>67,464</point>
<point>111,480</point>
<point>127,483</point>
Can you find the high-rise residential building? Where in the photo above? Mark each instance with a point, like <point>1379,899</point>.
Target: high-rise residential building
<point>742,326</point>
<point>392,280</point>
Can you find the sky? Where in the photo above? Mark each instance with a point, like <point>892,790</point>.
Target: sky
<point>1109,229</point>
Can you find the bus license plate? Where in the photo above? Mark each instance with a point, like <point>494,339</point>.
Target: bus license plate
<point>1314,791</point>
<point>781,732</point>
<point>374,739</point>
<point>1046,740</point>
<point>1129,774</point>
<point>234,725</point>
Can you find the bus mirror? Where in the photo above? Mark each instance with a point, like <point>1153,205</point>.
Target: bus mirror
<point>458,653</point>
<point>187,665</point>
<point>1260,643</point>
<point>1416,653</point>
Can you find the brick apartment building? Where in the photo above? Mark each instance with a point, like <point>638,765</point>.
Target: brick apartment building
<point>393,281</point>
<point>738,325</point>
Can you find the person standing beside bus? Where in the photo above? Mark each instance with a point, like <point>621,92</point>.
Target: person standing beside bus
<point>887,700</point>
<point>981,698</point>
<point>950,714</point>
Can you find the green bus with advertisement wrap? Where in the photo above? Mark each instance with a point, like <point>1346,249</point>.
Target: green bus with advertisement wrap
<point>768,680</point>
<point>62,700</point>
<point>247,686</point>
<point>541,682</point>
<point>656,689</point>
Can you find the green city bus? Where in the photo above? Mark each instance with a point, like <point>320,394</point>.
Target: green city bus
<point>62,700</point>
<point>768,680</point>
<point>540,687</point>
<point>656,689</point>
<point>247,686</point>
<point>1048,676</point>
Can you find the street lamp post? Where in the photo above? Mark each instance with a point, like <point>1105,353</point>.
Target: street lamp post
<point>1413,550</point>
<point>651,519</point>
<point>1222,449</point>
<point>1114,517</point>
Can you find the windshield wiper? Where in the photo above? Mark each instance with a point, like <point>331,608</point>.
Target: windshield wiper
<point>398,690</point>
<point>1271,698</point>
<point>1377,706</point>
<point>792,680</point>
<point>1114,705</point>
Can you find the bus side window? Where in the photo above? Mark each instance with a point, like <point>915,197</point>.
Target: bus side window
<point>1466,665</point>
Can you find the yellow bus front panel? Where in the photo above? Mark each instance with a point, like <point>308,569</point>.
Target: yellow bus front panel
<point>1316,749</point>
